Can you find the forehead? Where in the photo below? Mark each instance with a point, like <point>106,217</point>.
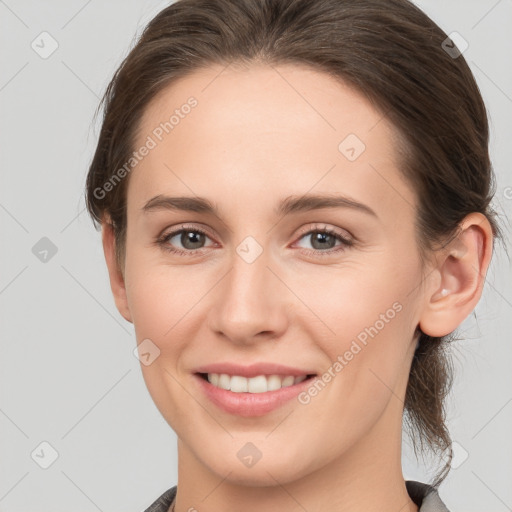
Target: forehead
<point>273,98</point>
<point>262,129</point>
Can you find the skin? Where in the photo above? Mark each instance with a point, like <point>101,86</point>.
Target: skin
<point>258,135</point>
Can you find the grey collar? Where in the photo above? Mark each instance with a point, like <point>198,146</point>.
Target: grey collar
<point>423,495</point>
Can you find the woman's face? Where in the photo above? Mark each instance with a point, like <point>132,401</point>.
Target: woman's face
<point>266,283</point>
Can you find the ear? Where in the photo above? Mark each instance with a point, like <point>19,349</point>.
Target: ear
<point>117,283</point>
<point>458,279</point>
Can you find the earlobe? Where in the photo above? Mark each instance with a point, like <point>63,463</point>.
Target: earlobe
<point>461,267</point>
<point>117,282</point>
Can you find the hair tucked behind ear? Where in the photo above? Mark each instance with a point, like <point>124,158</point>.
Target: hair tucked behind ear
<point>388,50</point>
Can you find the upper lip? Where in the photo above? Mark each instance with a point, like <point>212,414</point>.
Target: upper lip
<point>252,370</point>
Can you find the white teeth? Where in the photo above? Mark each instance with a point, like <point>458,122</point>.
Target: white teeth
<point>288,381</point>
<point>238,384</point>
<point>273,382</point>
<point>256,384</point>
<point>259,384</point>
<point>224,381</point>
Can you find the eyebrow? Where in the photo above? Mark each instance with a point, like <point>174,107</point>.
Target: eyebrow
<point>292,204</point>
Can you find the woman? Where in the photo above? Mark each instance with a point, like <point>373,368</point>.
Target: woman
<point>239,136</point>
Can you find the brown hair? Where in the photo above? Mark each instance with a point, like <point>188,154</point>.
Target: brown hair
<point>388,50</point>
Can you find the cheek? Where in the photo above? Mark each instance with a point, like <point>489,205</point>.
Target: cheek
<point>160,297</point>
<point>162,305</point>
<point>371,320</point>
<point>366,361</point>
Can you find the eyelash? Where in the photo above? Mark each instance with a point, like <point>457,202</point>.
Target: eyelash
<point>162,241</point>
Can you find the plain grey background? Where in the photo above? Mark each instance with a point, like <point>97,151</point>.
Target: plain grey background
<point>68,376</point>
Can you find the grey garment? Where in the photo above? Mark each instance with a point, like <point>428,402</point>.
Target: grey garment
<point>423,495</point>
<point>163,503</point>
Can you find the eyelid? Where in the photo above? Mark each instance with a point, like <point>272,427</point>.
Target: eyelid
<point>319,226</point>
<point>343,236</point>
<point>185,227</point>
<point>315,226</point>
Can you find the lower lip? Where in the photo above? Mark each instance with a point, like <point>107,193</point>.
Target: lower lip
<point>251,404</point>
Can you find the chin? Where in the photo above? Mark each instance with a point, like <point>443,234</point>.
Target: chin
<point>279,467</point>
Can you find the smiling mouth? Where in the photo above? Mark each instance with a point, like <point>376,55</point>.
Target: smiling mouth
<point>258,384</point>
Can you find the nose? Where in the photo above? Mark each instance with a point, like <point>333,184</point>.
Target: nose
<point>250,302</point>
